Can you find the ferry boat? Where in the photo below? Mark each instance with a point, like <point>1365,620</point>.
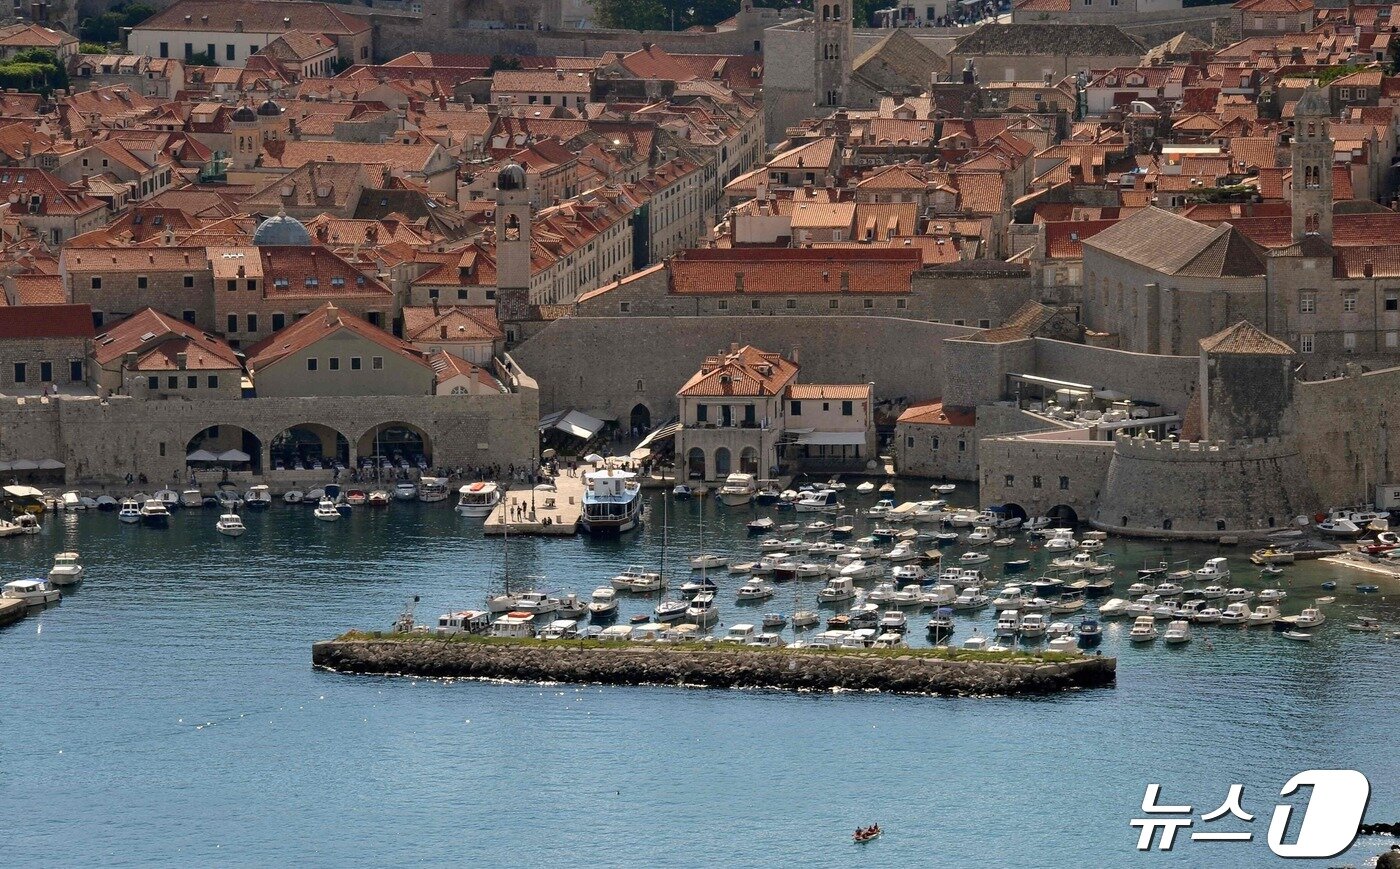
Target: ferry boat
<point>478,499</point>
<point>432,489</point>
<point>612,502</point>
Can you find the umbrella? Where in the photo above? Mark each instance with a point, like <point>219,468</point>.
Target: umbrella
<point>546,487</point>
<point>24,465</point>
<point>50,465</point>
<point>549,453</point>
<point>593,458</point>
<point>4,466</point>
<point>234,456</point>
<point>201,456</point>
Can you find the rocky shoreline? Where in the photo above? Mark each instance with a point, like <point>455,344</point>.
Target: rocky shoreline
<point>783,669</point>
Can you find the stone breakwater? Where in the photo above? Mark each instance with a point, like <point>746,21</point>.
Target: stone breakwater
<point>792,670</point>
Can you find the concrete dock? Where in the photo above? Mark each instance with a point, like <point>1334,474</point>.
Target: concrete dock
<point>1358,561</point>
<point>527,510</point>
<point>12,610</point>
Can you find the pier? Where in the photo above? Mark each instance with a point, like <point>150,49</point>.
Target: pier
<point>950,672</point>
<point>530,510</point>
<point>12,610</point>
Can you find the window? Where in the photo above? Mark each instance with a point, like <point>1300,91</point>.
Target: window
<point>909,441</point>
<point>1064,483</point>
<point>141,282</point>
<point>187,315</point>
<point>826,406</point>
<point>232,285</point>
<point>962,445</point>
<point>753,304</point>
<point>355,363</point>
<point>376,362</point>
<point>97,319</point>
<point>935,442</point>
<point>228,52</point>
<point>311,364</point>
<point>848,408</point>
<point>232,323</point>
<point>172,382</point>
<point>791,304</point>
<point>162,448</point>
<point>1035,481</point>
<point>213,381</point>
<point>75,370</point>
<point>252,283</point>
<point>1307,302</point>
<point>867,303</point>
<point>189,282</point>
<point>1010,480</point>
<point>959,322</point>
<point>192,382</point>
<point>1345,93</point>
<point>624,307</point>
<point>97,282</point>
<point>1349,341</point>
<point>1305,343</point>
<point>796,409</point>
<point>901,304</point>
<point>278,321</point>
<point>165,49</point>
<point>335,363</point>
<point>252,322</point>
<point>45,372</point>
<point>834,304</point>
<point>1349,303</point>
<point>19,372</point>
<point>1392,302</point>
<point>702,413</point>
<point>722,305</point>
<point>1391,339</point>
<point>461,295</point>
<point>153,382</point>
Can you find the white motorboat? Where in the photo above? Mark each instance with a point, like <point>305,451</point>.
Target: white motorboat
<point>860,569</point>
<point>670,610</point>
<point>942,594</point>
<point>34,592</point>
<point>230,525</point>
<point>975,644</point>
<point>1208,616</point>
<point>1300,636</point>
<point>971,598</point>
<point>66,570</point>
<point>1033,625</point>
<point>1009,598</point>
<point>192,498</point>
<point>639,580</point>
<point>1273,595</point>
<point>536,603</point>
<point>837,588</point>
<point>514,625</point>
<point>738,490</point>
<point>1264,614</point>
<point>258,496</point>
<point>901,554</point>
<point>1112,608</point>
<point>681,492</point>
<point>1168,589</point>
<point>130,511</point>
<point>1068,645</point>
<point>463,622</point>
<point>754,590</point>
<point>823,501</point>
<point>571,606</point>
<point>805,618</point>
<point>1144,630</point>
<point>1003,542</point>
<point>1214,569</point>
<point>703,610</point>
<point>602,604</point>
<point>774,621</point>
<point>974,558</point>
<point>1365,625</point>
<point>154,513</point>
<point>894,621</point>
<point>477,500</point>
<point>1008,623</point>
<point>169,497</point>
<point>1213,592</point>
<point>406,492</point>
<point>1310,617</point>
<point>1061,540</point>
<point>865,488</point>
<point>312,497</point>
<point>432,489</point>
<point>1177,632</point>
<point>907,573</point>
<point>762,525</point>
<point>106,502</point>
<point>1239,594</point>
<point>981,535</point>
<point>378,498</point>
<point>1236,613</point>
<point>326,511</point>
<point>293,496</point>
<point>708,561</point>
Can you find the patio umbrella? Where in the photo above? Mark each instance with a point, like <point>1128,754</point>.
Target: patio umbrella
<point>24,465</point>
<point>234,456</point>
<point>4,466</point>
<point>50,465</point>
<point>201,456</point>
<point>593,458</point>
<point>546,487</point>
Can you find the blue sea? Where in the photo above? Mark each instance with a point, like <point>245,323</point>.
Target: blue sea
<point>166,713</point>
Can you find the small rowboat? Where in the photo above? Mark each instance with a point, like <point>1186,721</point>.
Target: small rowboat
<point>866,836</point>
<point>1300,636</point>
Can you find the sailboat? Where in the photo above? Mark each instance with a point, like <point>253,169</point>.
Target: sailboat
<point>802,618</point>
<point>505,601</point>
<point>702,610</point>
<point>674,609</point>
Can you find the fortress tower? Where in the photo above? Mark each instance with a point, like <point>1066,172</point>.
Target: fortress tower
<point>832,22</point>
<point>512,247</point>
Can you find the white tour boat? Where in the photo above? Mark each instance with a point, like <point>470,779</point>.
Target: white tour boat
<point>477,500</point>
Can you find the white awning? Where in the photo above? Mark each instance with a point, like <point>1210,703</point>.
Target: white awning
<point>574,422</point>
<point>51,465</point>
<point>666,431</point>
<point>24,465</point>
<point>832,438</point>
<point>234,456</point>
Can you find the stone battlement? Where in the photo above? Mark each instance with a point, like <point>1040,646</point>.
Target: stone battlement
<point>1151,449</point>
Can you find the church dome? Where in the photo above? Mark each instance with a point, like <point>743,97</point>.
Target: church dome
<point>511,177</point>
<point>269,109</point>
<point>281,230</point>
<point>244,115</point>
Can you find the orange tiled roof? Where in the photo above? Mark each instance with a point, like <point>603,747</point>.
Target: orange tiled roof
<point>770,271</point>
<point>934,413</point>
<point>743,371</point>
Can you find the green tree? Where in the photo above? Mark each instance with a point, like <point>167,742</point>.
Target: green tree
<point>92,48</point>
<point>200,58</point>
<point>633,14</point>
<point>135,13</point>
<point>500,61</point>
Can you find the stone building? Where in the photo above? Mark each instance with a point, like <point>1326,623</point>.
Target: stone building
<point>43,347</point>
<point>833,55</point>
<point>151,355</point>
<point>231,31</point>
<point>330,352</point>
<point>1030,52</point>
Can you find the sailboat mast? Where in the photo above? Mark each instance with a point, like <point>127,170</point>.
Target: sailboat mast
<point>665,529</point>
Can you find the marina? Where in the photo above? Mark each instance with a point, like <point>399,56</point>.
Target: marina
<point>319,578</point>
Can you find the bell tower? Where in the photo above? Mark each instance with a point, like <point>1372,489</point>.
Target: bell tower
<point>832,23</point>
<point>1312,167</point>
<point>512,246</point>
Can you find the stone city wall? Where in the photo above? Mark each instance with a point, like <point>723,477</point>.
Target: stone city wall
<point>1167,380</point>
<point>1041,475</point>
<point>1347,428</point>
<point>1203,490</point>
<point>607,366</point>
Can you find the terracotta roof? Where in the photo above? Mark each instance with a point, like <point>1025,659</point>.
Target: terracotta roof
<point>254,16</point>
<point>321,323</point>
<point>539,81</point>
<point>743,371</point>
<point>770,271</point>
<point>1064,239</point>
<point>829,391</point>
<point>1244,338</point>
<point>474,323</point>
<point>1196,249</point>
<point>39,290</point>
<point>148,328</point>
<point>33,36</point>
<point>22,322</point>
<point>447,366</point>
<point>934,413</point>
<point>297,271</point>
<point>1049,39</point>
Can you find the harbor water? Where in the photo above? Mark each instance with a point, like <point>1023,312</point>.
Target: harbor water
<point>166,713</point>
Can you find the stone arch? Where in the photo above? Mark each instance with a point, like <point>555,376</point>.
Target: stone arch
<point>748,460</point>
<point>307,444</point>
<point>641,417</point>
<point>695,464</point>
<point>826,12</point>
<point>724,462</point>
<point>220,439</point>
<point>1063,516</point>
<point>396,440</point>
<point>1016,511</point>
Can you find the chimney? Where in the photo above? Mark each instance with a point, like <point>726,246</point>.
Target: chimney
<point>242,270</point>
<point>332,315</point>
<point>559,74</point>
<point>796,355</point>
<point>182,359</point>
<point>435,308</point>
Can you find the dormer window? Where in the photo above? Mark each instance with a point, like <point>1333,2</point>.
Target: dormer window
<point>337,282</point>
<point>313,282</point>
<point>280,283</point>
